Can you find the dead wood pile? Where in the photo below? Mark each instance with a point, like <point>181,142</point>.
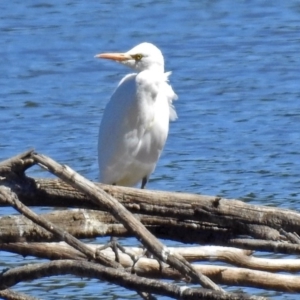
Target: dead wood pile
<point>229,231</point>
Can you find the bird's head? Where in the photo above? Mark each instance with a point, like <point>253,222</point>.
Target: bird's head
<point>142,57</point>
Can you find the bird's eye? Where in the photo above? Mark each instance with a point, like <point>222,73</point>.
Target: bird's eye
<point>138,57</point>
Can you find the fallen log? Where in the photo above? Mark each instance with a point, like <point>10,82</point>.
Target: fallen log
<point>87,223</point>
<point>242,218</point>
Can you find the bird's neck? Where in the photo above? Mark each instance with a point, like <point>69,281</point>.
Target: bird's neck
<point>154,68</point>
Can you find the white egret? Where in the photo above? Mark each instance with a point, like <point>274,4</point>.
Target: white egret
<point>135,122</point>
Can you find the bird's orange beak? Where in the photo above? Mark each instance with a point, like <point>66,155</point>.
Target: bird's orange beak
<point>113,56</point>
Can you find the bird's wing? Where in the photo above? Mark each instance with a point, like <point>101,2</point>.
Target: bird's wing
<point>121,129</point>
<point>155,97</point>
<point>116,116</point>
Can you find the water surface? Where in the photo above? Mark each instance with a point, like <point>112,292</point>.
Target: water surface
<point>235,69</point>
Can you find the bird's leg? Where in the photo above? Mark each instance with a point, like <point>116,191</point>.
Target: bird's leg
<point>147,254</point>
<point>144,182</point>
<point>114,248</point>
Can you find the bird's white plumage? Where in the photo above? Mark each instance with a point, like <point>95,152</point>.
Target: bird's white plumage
<point>135,123</point>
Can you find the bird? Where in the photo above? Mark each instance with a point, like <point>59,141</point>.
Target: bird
<point>135,122</point>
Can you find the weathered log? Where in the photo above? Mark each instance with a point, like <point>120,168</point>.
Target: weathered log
<point>120,277</point>
<point>80,223</point>
<point>170,215</point>
<point>85,223</point>
<point>233,256</point>
<point>220,274</point>
<point>237,217</point>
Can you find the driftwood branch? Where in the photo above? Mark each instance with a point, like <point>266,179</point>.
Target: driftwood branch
<point>118,211</point>
<point>120,277</point>
<point>245,275</point>
<point>101,198</point>
<point>233,216</point>
<point>189,228</point>
<point>12,199</point>
<point>12,295</point>
<point>233,256</point>
<point>8,196</point>
<point>86,223</point>
<point>17,165</point>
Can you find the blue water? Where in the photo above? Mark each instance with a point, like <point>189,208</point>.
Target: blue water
<point>235,69</point>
